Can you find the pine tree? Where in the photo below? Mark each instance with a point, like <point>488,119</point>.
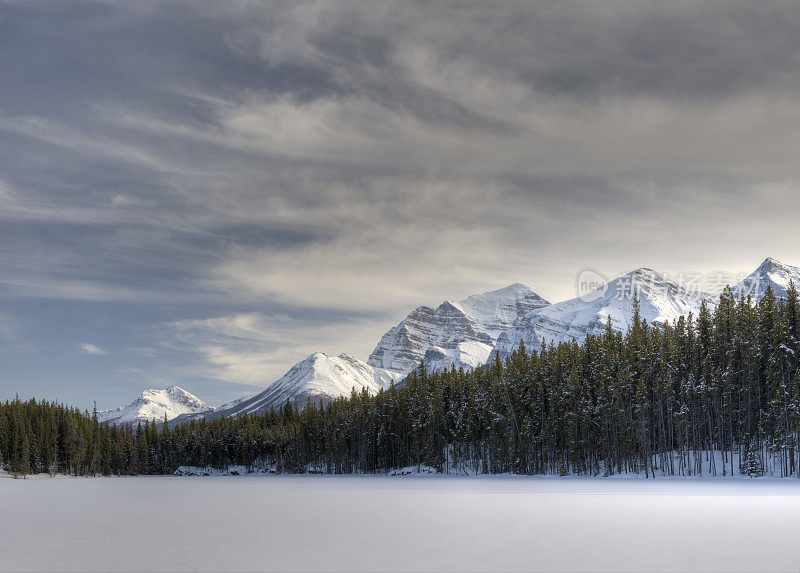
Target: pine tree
<point>24,465</point>
<point>751,465</point>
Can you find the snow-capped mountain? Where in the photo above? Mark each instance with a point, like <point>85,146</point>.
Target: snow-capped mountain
<point>770,273</point>
<point>468,333</point>
<point>660,301</point>
<point>318,377</point>
<point>153,404</point>
<point>460,334</point>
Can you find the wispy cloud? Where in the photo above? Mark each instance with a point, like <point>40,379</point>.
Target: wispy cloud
<point>255,348</point>
<point>93,349</point>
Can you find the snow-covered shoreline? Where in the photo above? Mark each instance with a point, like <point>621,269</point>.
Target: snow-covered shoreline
<point>408,473</point>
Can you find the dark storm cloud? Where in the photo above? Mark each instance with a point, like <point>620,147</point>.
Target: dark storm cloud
<point>583,49</point>
<point>667,49</point>
<point>65,55</point>
<point>305,172</point>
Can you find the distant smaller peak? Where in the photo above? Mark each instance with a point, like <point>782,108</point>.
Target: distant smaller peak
<point>178,391</point>
<point>645,273</point>
<point>517,287</point>
<point>449,305</point>
<point>770,263</point>
<point>514,290</point>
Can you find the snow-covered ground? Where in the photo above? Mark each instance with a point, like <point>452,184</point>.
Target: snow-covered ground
<point>329,523</point>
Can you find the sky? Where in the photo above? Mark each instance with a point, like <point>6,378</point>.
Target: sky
<point>203,194</point>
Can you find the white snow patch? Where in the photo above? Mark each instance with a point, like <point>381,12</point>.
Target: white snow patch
<point>414,470</point>
<point>235,470</point>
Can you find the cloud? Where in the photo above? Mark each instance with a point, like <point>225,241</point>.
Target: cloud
<point>267,162</point>
<point>354,156</point>
<point>93,350</point>
<point>255,348</point>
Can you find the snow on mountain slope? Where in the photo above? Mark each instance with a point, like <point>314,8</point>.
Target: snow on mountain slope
<point>660,301</point>
<point>468,354</point>
<point>462,333</point>
<point>770,273</point>
<point>153,404</point>
<point>318,377</point>
<point>495,311</point>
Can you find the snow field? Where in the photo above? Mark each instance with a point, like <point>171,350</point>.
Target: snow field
<point>426,523</point>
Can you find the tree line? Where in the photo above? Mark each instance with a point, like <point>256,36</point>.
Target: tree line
<point>715,394</point>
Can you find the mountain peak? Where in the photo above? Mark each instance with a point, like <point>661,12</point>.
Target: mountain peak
<point>449,307</point>
<point>771,264</point>
<point>178,391</point>
<point>460,333</point>
<point>513,288</point>
<point>320,377</point>
<point>645,274</point>
<point>502,307</point>
<point>155,404</point>
<point>660,301</point>
<point>771,273</point>
<point>642,281</point>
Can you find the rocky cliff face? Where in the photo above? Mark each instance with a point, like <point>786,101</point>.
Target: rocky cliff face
<point>460,334</point>
<point>443,327</point>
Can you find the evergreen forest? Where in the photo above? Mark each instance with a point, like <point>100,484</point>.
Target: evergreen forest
<point>714,394</point>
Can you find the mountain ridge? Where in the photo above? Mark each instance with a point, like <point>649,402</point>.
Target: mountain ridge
<point>318,378</point>
<point>470,332</point>
<point>660,300</point>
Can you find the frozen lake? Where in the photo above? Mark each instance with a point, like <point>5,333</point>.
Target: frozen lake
<point>315,523</point>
